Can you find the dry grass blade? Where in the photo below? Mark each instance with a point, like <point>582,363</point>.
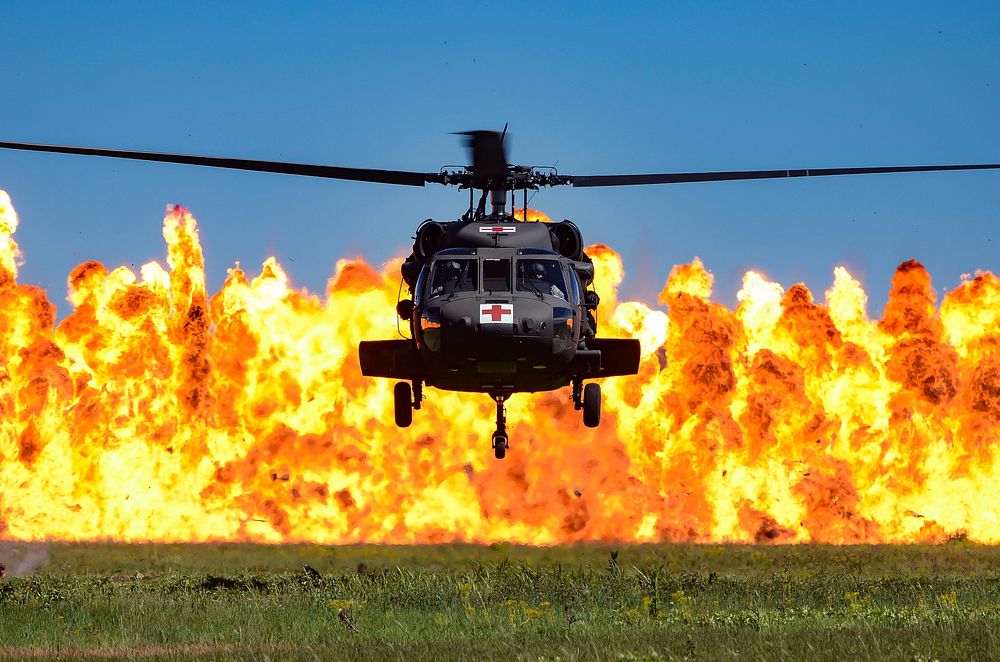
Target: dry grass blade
<point>345,618</point>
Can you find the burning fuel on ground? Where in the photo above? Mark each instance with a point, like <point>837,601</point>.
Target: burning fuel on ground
<point>156,411</point>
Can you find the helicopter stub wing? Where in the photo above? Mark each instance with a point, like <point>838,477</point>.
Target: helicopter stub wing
<point>607,357</point>
<point>395,359</point>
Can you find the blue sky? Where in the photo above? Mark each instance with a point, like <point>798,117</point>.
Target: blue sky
<point>593,88</point>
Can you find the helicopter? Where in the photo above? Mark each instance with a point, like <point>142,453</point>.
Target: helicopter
<point>497,304</point>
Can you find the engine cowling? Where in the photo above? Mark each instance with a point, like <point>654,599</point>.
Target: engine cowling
<point>567,240</point>
<point>429,239</point>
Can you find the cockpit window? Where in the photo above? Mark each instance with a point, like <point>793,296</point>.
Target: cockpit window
<point>455,275</point>
<point>574,288</point>
<point>541,277</point>
<point>418,289</point>
<point>496,275</point>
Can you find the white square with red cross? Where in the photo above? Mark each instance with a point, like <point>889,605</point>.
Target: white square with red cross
<point>496,313</point>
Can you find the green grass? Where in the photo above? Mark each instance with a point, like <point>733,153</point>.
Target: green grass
<point>472,602</point>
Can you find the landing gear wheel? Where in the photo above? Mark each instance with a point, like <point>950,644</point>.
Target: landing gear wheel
<point>592,405</point>
<point>403,402</point>
<point>501,442</point>
<point>500,445</point>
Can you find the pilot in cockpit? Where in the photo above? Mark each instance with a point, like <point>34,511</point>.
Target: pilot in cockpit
<point>536,276</point>
<point>451,276</point>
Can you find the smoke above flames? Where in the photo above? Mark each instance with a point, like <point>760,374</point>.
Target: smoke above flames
<point>157,411</point>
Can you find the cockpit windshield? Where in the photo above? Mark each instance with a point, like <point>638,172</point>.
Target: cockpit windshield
<point>541,276</point>
<point>496,275</point>
<point>454,275</point>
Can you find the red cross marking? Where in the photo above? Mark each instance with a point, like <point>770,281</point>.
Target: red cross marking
<point>497,312</point>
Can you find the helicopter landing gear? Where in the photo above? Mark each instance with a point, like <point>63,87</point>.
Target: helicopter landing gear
<point>405,400</point>
<point>577,394</point>
<point>402,400</point>
<point>589,400</point>
<point>592,405</point>
<point>500,439</point>
<point>418,393</point>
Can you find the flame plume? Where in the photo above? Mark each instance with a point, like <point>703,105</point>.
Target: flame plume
<point>155,412</point>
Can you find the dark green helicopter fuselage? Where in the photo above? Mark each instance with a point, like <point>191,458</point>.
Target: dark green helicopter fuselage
<point>499,306</point>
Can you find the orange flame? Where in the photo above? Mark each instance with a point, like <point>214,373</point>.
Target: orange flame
<point>156,412</point>
<point>533,215</point>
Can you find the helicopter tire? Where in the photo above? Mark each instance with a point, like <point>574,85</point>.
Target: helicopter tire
<point>403,402</point>
<point>499,445</point>
<point>592,405</point>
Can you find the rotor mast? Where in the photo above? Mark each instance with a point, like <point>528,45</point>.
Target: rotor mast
<point>498,199</point>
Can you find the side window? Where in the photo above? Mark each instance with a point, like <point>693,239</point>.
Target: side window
<point>454,275</point>
<point>418,290</point>
<point>574,288</point>
<point>496,275</point>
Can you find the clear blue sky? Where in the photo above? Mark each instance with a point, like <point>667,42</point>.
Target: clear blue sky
<point>595,88</point>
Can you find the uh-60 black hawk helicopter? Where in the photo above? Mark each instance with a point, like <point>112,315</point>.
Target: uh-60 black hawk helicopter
<point>499,305</point>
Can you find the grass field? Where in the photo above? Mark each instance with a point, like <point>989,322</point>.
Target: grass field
<point>502,601</point>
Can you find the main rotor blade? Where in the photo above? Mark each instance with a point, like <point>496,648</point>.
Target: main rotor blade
<point>329,172</point>
<point>489,161</point>
<point>684,177</point>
